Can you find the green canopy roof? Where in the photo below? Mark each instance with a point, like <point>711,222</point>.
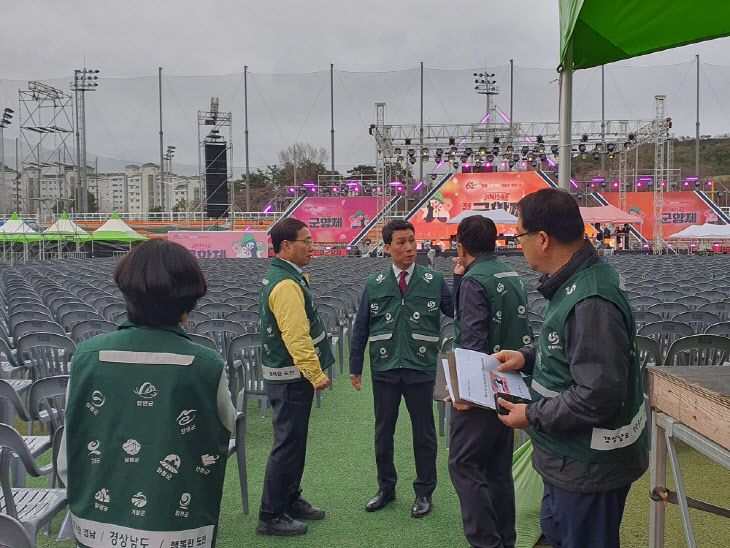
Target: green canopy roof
<point>15,230</point>
<point>604,32</point>
<point>116,230</point>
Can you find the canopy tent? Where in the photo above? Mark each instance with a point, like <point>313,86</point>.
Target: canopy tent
<point>65,229</point>
<point>15,230</point>
<point>706,231</point>
<point>116,230</point>
<point>608,214</point>
<point>499,216</point>
<point>595,33</point>
<point>603,32</point>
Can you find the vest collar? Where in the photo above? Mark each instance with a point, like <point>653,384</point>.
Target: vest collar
<point>286,265</point>
<point>176,329</point>
<point>583,258</point>
<point>483,257</point>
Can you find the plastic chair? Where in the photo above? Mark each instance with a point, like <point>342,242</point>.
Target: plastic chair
<point>699,350</point>
<point>667,310</point>
<point>722,309</point>
<point>722,329</point>
<point>69,319</point>
<point>217,310</point>
<point>203,341</point>
<point>643,302</point>
<point>665,332</point>
<point>34,508</point>
<point>27,327</point>
<point>641,317</point>
<point>245,371</point>
<point>221,331</point>
<point>46,354</point>
<point>87,329</point>
<point>250,320</point>
<point>699,321</point>
<point>13,534</point>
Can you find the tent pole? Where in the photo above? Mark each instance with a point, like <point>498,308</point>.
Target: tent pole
<point>566,99</point>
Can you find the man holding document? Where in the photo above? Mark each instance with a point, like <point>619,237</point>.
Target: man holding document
<point>491,315</point>
<point>587,420</point>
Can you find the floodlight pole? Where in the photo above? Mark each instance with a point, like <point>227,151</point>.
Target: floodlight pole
<point>420,132</point>
<point>697,123</point>
<point>162,153</point>
<point>566,99</point>
<point>511,89</point>
<point>603,124</point>
<point>245,132</point>
<point>332,115</point>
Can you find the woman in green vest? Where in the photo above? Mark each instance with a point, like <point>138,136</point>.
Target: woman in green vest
<point>587,420</point>
<point>149,415</point>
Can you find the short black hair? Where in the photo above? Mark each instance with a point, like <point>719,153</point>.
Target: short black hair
<point>477,234</point>
<point>286,229</point>
<point>554,212</point>
<point>160,281</point>
<point>392,226</point>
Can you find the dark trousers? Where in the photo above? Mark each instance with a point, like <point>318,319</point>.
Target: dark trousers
<point>577,520</point>
<point>292,404</point>
<point>480,464</point>
<point>419,401</point>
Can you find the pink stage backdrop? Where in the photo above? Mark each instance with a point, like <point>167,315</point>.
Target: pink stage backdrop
<point>336,220</point>
<point>228,244</point>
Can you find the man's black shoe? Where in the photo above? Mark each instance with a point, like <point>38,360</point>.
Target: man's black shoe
<point>422,507</point>
<point>380,500</point>
<point>281,526</point>
<point>301,509</point>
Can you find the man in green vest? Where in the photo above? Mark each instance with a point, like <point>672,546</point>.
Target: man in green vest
<point>295,352</point>
<point>399,316</point>
<point>587,420</point>
<point>491,315</point>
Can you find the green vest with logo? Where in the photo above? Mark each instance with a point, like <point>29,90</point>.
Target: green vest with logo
<point>146,448</point>
<point>277,362</point>
<point>509,328</point>
<point>621,436</point>
<point>404,330</point>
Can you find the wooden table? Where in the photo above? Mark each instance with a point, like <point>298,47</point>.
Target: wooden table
<point>691,404</point>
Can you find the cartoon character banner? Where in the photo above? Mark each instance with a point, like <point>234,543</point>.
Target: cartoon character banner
<point>681,209</point>
<point>337,220</point>
<point>467,191</point>
<point>224,244</point>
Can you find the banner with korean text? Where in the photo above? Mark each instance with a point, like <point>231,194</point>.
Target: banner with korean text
<point>223,244</point>
<point>336,220</point>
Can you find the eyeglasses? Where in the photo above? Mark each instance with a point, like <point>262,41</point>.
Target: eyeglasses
<point>308,241</point>
<point>517,237</point>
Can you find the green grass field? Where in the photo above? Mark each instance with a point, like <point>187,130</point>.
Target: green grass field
<point>340,477</point>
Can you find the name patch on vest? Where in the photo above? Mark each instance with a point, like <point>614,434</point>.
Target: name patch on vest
<point>95,534</point>
<point>603,439</point>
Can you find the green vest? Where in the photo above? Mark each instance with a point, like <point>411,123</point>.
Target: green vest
<point>621,436</point>
<point>509,328</point>
<point>404,330</point>
<point>278,364</point>
<point>146,448</point>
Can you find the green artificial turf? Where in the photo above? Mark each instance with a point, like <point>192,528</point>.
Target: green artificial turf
<point>340,477</point>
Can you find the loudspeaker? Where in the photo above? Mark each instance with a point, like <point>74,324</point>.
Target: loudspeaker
<point>216,179</point>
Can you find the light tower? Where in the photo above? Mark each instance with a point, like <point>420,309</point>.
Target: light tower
<point>84,80</point>
<point>5,122</point>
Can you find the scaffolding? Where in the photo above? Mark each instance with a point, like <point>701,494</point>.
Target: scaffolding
<point>46,127</point>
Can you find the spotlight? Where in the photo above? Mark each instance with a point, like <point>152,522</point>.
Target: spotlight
<point>611,156</point>
<point>408,141</point>
<point>424,158</point>
<point>525,150</point>
<point>596,155</point>
<point>453,149</point>
<point>468,151</point>
<point>411,152</point>
<point>539,139</point>
<point>439,151</point>
<point>424,151</point>
<point>541,149</point>
<point>599,147</point>
<point>490,158</point>
<point>464,158</point>
<point>627,145</point>
<point>524,165</point>
<point>496,140</point>
<point>584,138</point>
<point>482,150</point>
<point>456,165</point>
<point>495,151</point>
<point>632,137</point>
<point>510,149</point>
<point>397,151</point>
<point>400,159</point>
<point>477,164</point>
<point>511,164</point>
<point>582,147</point>
<point>610,147</point>
<point>412,160</point>
<point>434,176</point>
<point>554,149</point>
<point>452,157</point>
<point>452,141</point>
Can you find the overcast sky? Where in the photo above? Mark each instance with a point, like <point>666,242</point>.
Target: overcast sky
<point>128,40</point>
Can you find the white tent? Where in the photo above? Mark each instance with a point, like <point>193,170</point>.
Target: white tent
<point>499,216</point>
<point>64,228</point>
<point>706,231</point>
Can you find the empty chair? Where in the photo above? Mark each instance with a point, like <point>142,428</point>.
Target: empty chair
<point>665,332</point>
<point>112,310</point>
<point>203,341</point>
<point>194,317</point>
<point>73,307</point>
<point>643,302</point>
<point>642,317</point>
<point>221,331</point>
<point>17,308</point>
<point>34,508</point>
<point>245,371</point>
<point>46,354</point>
<point>241,301</point>
<point>13,534</point>
<point>17,317</point>
<point>714,295</point>
<point>217,310</point>
<point>32,326</point>
<point>250,320</point>
<point>699,321</point>
<point>692,301</point>
<point>667,310</point>
<point>722,328</point>
<point>120,318</point>
<point>69,319</point>
<point>667,296</point>
<point>722,309</point>
<point>91,328</point>
<point>699,350</point>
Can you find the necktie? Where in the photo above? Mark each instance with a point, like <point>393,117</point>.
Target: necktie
<point>402,282</point>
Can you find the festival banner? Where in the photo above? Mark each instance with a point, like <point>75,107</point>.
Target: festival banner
<point>681,209</point>
<point>223,244</point>
<point>336,220</point>
<point>466,191</point>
